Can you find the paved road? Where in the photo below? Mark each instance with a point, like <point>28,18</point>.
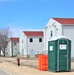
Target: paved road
<point>2,72</point>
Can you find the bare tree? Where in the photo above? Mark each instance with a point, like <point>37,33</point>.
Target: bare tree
<point>4,36</point>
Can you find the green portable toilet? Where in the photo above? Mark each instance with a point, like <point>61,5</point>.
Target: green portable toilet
<point>59,54</point>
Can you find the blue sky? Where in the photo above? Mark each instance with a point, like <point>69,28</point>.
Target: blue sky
<point>22,15</point>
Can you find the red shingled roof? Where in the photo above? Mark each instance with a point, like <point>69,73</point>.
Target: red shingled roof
<point>33,33</point>
<point>13,39</point>
<point>65,20</point>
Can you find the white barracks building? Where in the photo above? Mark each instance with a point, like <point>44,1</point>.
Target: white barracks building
<point>31,42</point>
<point>59,27</point>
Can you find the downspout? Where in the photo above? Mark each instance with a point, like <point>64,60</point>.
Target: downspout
<point>45,40</point>
<point>62,30</point>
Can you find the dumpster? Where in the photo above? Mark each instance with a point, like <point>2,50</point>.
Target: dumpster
<point>59,54</point>
<point>43,62</point>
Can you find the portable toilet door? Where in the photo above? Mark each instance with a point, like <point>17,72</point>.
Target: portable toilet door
<point>63,55</point>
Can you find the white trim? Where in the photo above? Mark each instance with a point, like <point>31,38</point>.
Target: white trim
<point>67,56</point>
<point>5,71</point>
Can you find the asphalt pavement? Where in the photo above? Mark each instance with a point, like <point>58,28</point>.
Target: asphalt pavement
<point>2,72</point>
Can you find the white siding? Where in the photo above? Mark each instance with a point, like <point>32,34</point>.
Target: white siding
<point>20,43</point>
<point>15,48</point>
<point>27,45</point>
<point>68,31</point>
<point>56,29</point>
<point>35,45</point>
<point>9,49</point>
<point>23,44</point>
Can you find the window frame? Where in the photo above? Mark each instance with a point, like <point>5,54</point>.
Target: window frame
<point>31,40</point>
<point>51,33</point>
<point>40,39</point>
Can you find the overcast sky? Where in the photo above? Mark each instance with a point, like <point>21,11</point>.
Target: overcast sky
<point>21,15</point>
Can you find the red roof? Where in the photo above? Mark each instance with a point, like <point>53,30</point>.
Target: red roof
<point>65,20</point>
<point>13,39</point>
<point>33,33</point>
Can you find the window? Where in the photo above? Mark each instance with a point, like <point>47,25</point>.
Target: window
<point>40,39</point>
<point>15,44</point>
<point>31,39</point>
<point>51,34</point>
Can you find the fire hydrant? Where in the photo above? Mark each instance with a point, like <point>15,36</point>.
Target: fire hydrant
<point>18,61</point>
